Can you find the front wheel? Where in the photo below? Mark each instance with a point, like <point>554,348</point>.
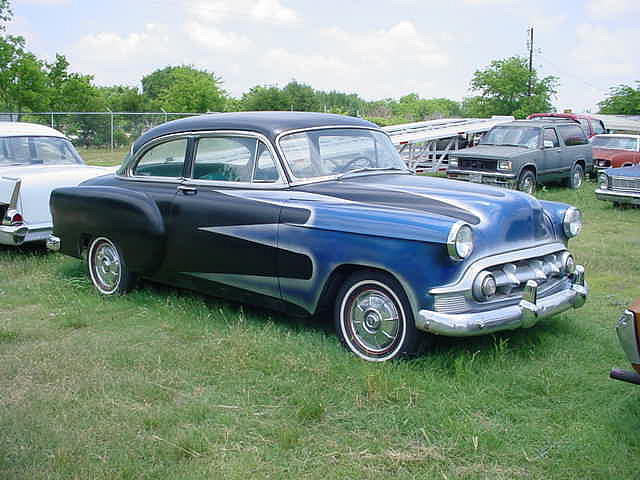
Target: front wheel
<point>576,177</point>
<point>107,268</point>
<point>527,182</point>
<point>373,318</point>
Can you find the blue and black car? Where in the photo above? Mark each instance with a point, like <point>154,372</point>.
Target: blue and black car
<point>620,185</point>
<point>316,214</point>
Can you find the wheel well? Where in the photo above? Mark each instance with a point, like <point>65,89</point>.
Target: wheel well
<point>581,163</point>
<point>530,168</point>
<point>337,278</point>
<point>627,164</point>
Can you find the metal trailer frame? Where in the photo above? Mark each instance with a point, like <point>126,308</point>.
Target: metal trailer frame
<point>418,143</point>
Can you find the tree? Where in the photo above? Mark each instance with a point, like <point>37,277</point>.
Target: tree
<point>23,84</point>
<point>301,97</point>
<point>5,14</point>
<point>622,100</point>
<point>503,88</point>
<point>264,98</point>
<point>184,89</point>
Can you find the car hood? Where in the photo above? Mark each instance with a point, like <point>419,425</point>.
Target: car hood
<point>611,153</point>
<point>633,171</point>
<point>492,151</point>
<point>425,208</point>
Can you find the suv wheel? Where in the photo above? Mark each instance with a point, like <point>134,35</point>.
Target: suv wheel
<point>527,182</point>
<point>576,177</point>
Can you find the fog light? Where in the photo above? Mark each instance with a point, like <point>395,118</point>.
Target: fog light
<point>484,286</point>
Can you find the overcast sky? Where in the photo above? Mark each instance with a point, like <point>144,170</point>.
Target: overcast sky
<point>377,49</point>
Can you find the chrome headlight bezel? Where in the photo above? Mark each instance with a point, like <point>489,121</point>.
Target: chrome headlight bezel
<point>460,241</point>
<point>572,222</point>
<point>603,180</point>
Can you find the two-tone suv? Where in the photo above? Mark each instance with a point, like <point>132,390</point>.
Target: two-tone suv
<point>525,153</point>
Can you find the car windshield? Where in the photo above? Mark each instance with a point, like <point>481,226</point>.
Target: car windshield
<point>37,151</point>
<point>337,151</point>
<point>517,136</point>
<point>618,143</point>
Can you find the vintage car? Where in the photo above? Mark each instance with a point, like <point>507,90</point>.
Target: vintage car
<point>620,185</point>
<point>308,213</point>
<point>525,153</point>
<point>628,330</point>
<point>591,125</point>
<point>34,159</point>
<point>615,151</point>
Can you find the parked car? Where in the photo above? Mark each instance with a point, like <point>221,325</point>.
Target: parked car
<point>620,185</point>
<point>591,125</point>
<point>525,153</point>
<point>34,159</point>
<point>308,213</point>
<point>628,330</point>
<point>615,150</point>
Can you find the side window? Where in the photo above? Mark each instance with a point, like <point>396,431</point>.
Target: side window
<point>297,150</point>
<point>265,170</point>
<point>598,127</point>
<point>163,160</point>
<point>584,123</point>
<point>224,159</point>
<point>572,135</point>
<point>551,135</point>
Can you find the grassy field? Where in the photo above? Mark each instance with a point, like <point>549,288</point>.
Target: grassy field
<point>103,157</point>
<point>163,383</point>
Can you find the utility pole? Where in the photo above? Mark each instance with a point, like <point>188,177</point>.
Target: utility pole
<point>530,46</point>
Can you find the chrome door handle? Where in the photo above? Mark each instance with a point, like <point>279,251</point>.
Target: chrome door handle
<point>187,190</point>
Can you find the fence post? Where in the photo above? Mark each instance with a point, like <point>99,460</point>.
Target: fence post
<point>52,120</point>
<point>166,115</point>
<point>111,116</point>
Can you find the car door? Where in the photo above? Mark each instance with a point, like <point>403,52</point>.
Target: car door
<point>222,238</point>
<point>552,155</point>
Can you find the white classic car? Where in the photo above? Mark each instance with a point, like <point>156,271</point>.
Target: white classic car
<point>34,160</point>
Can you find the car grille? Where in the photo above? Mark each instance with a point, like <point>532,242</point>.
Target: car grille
<point>479,164</point>
<point>625,184</point>
<point>511,279</point>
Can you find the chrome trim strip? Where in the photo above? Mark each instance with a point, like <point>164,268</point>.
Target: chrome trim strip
<point>483,173</point>
<point>621,197</point>
<point>627,336</point>
<point>523,315</point>
<point>465,280</point>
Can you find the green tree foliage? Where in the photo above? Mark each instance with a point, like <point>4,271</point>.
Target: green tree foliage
<point>68,91</point>
<point>184,89</point>
<point>23,83</point>
<point>503,88</point>
<point>121,98</point>
<point>265,97</point>
<point>622,100</point>
<point>5,14</point>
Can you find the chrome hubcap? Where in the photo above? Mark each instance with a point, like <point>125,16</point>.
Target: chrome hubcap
<point>375,320</point>
<point>577,179</point>
<point>106,266</point>
<point>527,185</point>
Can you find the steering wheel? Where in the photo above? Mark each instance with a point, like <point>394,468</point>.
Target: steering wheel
<point>354,161</point>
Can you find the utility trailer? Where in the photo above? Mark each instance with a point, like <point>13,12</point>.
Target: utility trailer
<point>425,146</point>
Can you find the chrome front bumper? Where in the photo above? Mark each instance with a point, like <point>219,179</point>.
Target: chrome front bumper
<point>628,337</point>
<point>619,197</point>
<point>487,178</point>
<point>53,243</point>
<point>523,315</point>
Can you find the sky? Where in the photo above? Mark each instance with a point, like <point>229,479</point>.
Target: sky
<point>378,49</point>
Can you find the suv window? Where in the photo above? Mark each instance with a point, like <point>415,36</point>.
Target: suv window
<point>598,127</point>
<point>551,135</point>
<point>572,135</point>
<point>163,160</point>
<point>585,125</point>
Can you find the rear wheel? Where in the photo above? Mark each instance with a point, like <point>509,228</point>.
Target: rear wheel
<point>107,268</point>
<point>527,182</point>
<point>373,318</point>
<point>576,177</point>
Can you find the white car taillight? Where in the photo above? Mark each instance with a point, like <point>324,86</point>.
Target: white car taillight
<point>13,218</point>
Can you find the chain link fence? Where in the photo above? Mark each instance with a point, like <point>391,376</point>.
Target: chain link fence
<point>111,130</point>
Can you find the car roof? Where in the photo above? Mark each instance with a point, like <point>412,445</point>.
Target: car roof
<point>269,124</point>
<point>573,116</point>
<point>21,129</point>
<point>536,123</point>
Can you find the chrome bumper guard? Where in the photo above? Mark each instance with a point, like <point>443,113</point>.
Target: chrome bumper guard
<point>487,178</point>
<point>524,315</point>
<point>53,243</point>
<point>13,235</point>
<point>616,196</point>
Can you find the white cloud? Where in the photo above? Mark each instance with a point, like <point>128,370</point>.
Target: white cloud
<point>489,2</point>
<point>213,38</point>
<point>603,52</point>
<point>218,11</point>
<point>43,2</point>
<point>612,8</point>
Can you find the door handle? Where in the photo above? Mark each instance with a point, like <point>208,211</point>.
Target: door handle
<point>187,190</point>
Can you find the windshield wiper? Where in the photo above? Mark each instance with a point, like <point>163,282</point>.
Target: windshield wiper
<point>371,169</point>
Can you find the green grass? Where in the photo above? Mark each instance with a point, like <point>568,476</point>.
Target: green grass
<point>103,157</point>
<point>163,383</point>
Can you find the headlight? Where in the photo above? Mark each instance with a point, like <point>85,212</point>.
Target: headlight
<point>604,180</point>
<point>504,165</point>
<point>572,223</point>
<point>453,162</point>
<point>484,286</point>
<point>460,241</point>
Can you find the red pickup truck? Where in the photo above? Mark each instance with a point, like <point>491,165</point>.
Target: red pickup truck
<point>591,125</point>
